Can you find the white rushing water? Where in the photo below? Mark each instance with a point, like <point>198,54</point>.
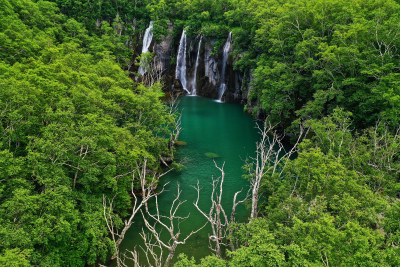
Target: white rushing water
<point>180,72</point>
<point>227,48</point>
<point>194,80</point>
<point>147,38</point>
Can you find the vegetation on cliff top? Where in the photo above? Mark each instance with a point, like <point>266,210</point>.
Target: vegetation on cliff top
<point>74,126</point>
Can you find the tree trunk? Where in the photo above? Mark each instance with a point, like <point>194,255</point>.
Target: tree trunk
<point>170,255</point>
<point>254,204</point>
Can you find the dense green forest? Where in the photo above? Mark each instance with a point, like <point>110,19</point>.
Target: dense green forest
<point>75,127</point>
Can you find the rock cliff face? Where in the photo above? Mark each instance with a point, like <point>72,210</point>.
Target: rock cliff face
<point>208,78</point>
<point>163,51</point>
<point>209,72</point>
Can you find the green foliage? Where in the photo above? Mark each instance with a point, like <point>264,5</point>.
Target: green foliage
<point>15,257</point>
<point>209,261</point>
<point>336,51</point>
<point>308,56</point>
<point>144,61</point>
<point>184,261</point>
<point>73,126</point>
<point>260,250</point>
<point>91,12</point>
<point>337,202</point>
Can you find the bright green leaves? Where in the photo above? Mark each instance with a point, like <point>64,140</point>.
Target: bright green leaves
<point>336,202</point>
<point>336,53</point>
<point>261,249</point>
<point>370,155</point>
<point>11,173</point>
<point>209,261</point>
<point>391,226</point>
<point>144,61</point>
<point>27,29</point>
<point>276,94</point>
<point>15,257</point>
<point>73,127</point>
<point>322,178</point>
<point>325,242</point>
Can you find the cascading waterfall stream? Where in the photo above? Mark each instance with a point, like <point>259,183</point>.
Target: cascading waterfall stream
<point>180,72</point>
<point>147,38</point>
<point>194,80</point>
<point>227,48</point>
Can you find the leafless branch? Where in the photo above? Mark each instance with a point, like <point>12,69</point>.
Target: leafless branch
<point>271,158</point>
<point>217,216</point>
<point>146,192</point>
<point>171,223</point>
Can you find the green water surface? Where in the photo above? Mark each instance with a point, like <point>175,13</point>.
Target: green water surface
<point>211,130</point>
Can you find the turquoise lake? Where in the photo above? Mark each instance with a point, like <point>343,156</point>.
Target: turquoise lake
<point>208,127</point>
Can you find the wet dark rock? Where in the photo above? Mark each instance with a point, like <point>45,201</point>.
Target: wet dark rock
<point>208,71</point>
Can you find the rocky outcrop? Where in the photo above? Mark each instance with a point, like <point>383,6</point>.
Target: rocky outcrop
<point>209,75</point>
<point>208,72</point>
<point>163,51</point>
<point>209,68</point>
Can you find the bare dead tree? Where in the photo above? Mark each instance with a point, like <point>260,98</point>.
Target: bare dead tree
<point>375,149</point>
<point>271,158</point>
<point>140,199</point>
<point>171,223</point>
<point>385,148</point>
<point>173,104</point>
<point>152,247</point>
<point>154,72</point>
<point>217,216</point>
<point>233,213</point>
<point>134,257</point>
<point>152,250</point>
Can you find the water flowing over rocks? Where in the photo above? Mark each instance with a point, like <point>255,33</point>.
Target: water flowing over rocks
<point>196,66</point>
<point>226,50</point>
<point>191,66</point>
<point>147,39</point>
<point>180,70</point>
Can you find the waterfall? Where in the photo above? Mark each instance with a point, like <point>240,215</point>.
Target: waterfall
<point>194,80</point>
<point>227,47</point>
<point>180,72</point>
<point>147,38</point>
